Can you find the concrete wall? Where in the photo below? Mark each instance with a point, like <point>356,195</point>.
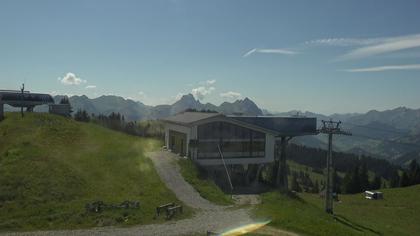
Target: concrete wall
<point>178,128</point>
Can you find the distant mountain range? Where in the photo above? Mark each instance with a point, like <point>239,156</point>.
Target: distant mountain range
<point>392,134</point>
<point>133,110</point>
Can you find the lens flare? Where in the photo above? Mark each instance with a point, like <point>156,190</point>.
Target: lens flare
<point>241,230</point>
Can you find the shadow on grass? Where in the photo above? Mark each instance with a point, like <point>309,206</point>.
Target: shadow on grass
<point>294,196</point>
<point>343,220</point>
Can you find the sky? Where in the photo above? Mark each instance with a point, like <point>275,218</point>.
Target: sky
<point>320,56</point>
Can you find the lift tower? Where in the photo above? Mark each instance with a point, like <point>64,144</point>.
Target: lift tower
<point>22,90</point>
<point>330,127</point>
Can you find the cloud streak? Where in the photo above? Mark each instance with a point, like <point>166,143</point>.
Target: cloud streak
<point>231,95</point>
<point>344,42</point>
<point>270,51</point>
<point>388,45</point>
<point>385,68</point>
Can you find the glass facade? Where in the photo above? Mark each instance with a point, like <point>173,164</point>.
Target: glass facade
<point>234,141</point>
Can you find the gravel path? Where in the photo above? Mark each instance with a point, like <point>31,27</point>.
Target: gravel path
<point>199,224</point>
<point>209,217</point>
<point>169,172</point>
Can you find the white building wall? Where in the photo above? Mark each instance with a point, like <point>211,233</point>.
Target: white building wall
<point>270,142</point>
<point>179,128</point>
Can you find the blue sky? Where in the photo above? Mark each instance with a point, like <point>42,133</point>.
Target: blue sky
<point>321,56</point>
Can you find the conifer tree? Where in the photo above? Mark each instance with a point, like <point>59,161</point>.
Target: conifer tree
<point>405,180</point>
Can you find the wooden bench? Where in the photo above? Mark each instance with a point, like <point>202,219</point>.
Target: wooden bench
<point>99,206</point>
<point>163,207</point>
<point>171,211</point>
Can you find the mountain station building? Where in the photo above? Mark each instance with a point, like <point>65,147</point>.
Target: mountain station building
<point>241,139</point>
<point>234,149</point>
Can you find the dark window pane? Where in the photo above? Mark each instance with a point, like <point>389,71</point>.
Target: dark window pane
<point>235,141</point>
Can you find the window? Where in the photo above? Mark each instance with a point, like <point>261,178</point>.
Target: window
<point>235,141</point>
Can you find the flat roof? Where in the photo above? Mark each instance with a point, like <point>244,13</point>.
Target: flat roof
<point>280,126</point>
<point>187,118</point>
<point>288,126</point>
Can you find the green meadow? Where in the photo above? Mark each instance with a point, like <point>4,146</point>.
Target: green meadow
<point>51,166</point>
<point>397,214</point>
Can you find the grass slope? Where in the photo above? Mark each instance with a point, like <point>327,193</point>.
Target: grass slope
<point>397,214</point>
<point>295,214</point>
<point>207,188</point>
<point>52,166</point>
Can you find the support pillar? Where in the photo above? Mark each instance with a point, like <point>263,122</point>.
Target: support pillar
<point>274,174</point>
<point>282,179</point>
<point>279,176</point>
<point>248,174</point>
<point>1,111</point>
<point>257,178</point>
<point>329,187</point>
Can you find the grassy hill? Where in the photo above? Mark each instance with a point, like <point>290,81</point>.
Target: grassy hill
<point>52,166</point>
<point>397,214</point>
<point>206,187</point>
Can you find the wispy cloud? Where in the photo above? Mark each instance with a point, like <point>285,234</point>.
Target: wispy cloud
<point>201,92</point>
<point>387,45</point>
<point>142,95</point>
<point>231,95</point>
<point>344,42</point>
<point>271,51</point>
<point>385,68</point>
<point>210,82</point>
<point>179,96</point>
<point>90,87</point>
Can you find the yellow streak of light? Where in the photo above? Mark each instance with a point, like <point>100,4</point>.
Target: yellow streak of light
<point>244,229</point>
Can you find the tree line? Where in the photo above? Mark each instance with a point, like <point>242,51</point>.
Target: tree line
<point>301,182</point>
<point>361,172</point>
<point>343,162</point>
<point>116,121</point>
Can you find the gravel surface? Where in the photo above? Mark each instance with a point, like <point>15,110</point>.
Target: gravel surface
<point>169,172</point>
<point>209,217</point>
<point>214,221</point>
